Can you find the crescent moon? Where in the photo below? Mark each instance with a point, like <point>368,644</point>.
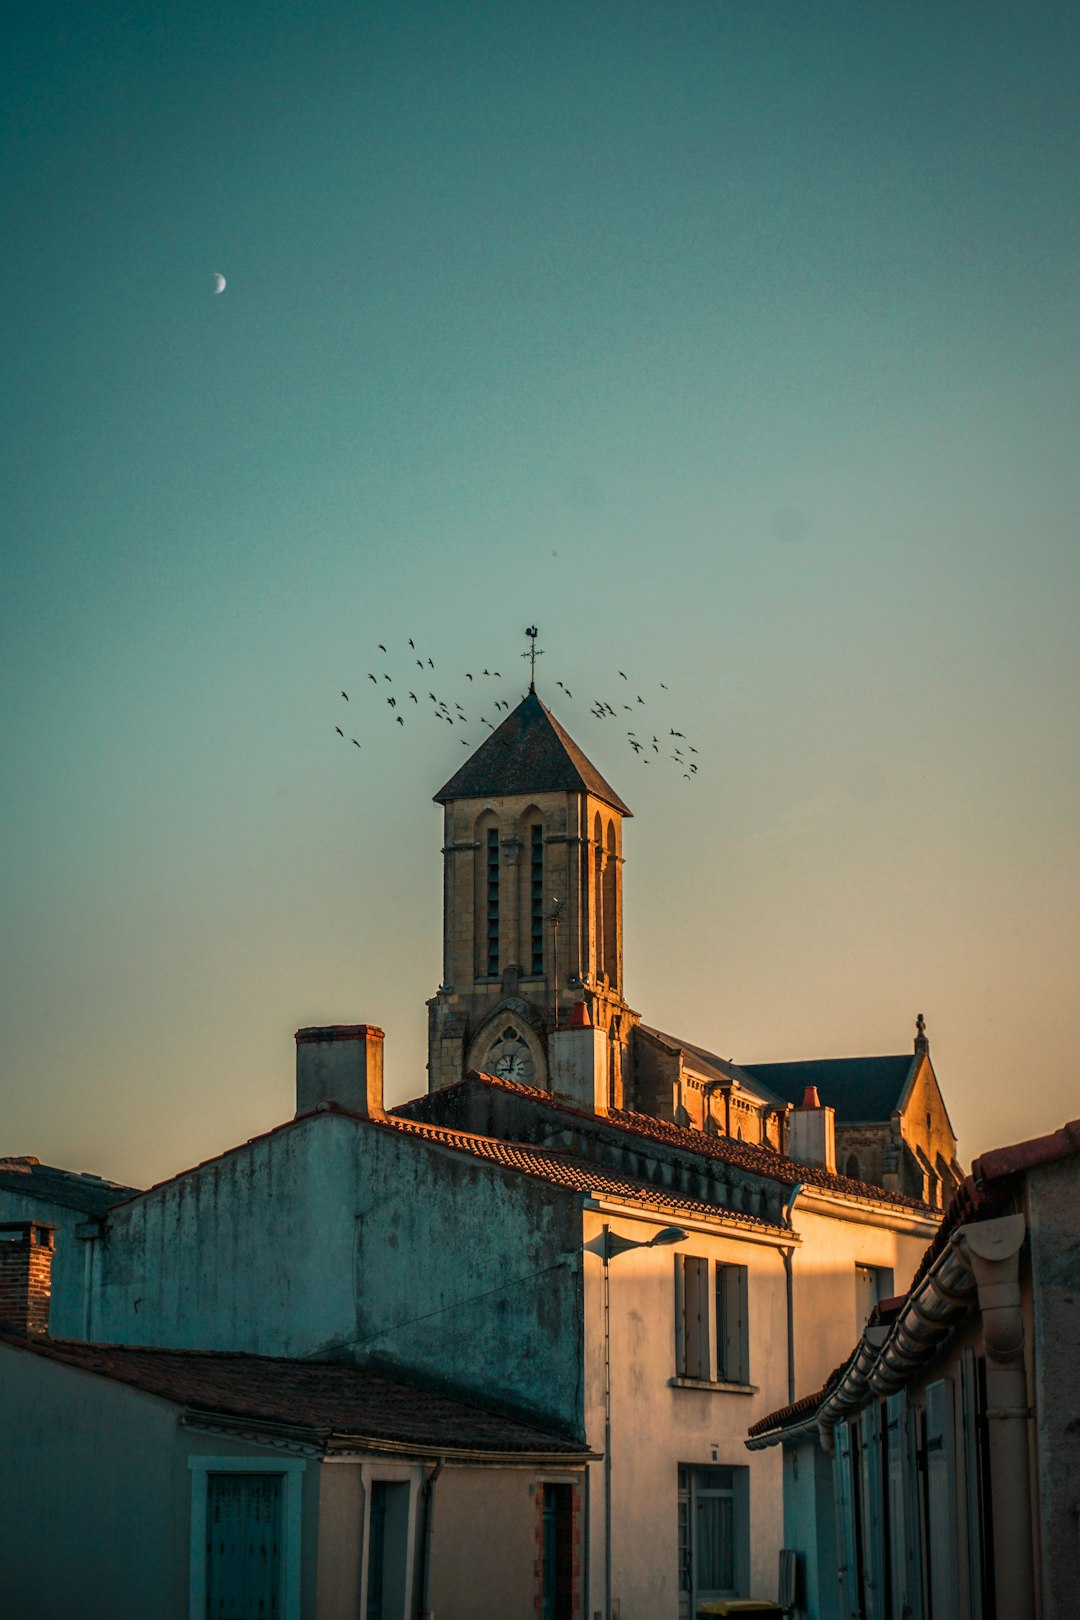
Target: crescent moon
<point>219,282</point>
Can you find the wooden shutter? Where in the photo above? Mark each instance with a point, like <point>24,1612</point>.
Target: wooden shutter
<point>243,1535</point>
<point>941,1500</point>
<point>843,1484</point>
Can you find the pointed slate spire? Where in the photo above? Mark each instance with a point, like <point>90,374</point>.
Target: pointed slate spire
<point>529,753</point>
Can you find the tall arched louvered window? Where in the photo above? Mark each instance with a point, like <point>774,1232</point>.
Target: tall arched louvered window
<point>598,893</point>
<point>486,914</point>
<point>611,905</point>
<point>536,897</point>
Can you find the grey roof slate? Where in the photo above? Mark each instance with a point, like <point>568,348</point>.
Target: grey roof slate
<point>712,1067</point>
<point>529,753</point>
<point>67,1189</point>
<point>860,1089</point>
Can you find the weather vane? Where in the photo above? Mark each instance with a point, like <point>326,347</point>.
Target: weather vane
<point>533,654</point>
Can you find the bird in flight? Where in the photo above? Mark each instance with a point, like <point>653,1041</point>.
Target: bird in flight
<point>399,720</point>
<point>354,742</point>
<point>339,731</point>
<point>414,697</point>
<point>381,647</point>
<point>412,643</point>
<point>392,702</point>
<point>373,678</point>
<point>345,695</point>
<point>387,678</point>
<point>624,675</point>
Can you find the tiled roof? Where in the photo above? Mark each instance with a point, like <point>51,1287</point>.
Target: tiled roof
<point>760,1161</point>
<point>324,1397</point>
<point>65,1188</point>
<point>860,1089</point>
<point>529,753</point>
<point>569,1170</point>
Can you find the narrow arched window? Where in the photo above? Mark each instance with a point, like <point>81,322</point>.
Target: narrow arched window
<point>487,906</point>
<point>852,1169</point>
<point>536,898</point>
<point>611,922</point>
<point>598,894</point>
<point>492,854</point>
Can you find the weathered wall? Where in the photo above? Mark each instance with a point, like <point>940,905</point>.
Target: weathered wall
<point>486,1550</point>
<point>1053,1202</point>
<point>338,1238</point>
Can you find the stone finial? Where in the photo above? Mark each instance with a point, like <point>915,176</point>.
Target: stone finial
<point>922,1040</point>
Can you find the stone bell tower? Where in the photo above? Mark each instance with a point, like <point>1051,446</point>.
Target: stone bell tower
<point>532,907</point>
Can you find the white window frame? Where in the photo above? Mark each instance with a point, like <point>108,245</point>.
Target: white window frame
<point>292,1469</point>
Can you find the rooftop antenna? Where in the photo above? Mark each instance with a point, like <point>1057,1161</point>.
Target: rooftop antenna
<point>533,654</point>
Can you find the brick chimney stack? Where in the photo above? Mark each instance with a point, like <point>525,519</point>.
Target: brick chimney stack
<point>26,1257</point>
<point>340,1066</point>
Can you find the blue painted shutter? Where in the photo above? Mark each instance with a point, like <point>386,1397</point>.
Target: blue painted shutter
<point>941,1500</point>
<point>873,1521</point>
<point>243,1553</point>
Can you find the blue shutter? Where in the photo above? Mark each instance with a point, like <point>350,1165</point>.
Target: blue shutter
<point>941,1500</point>
<point>905,1584</point>
<point>845,1521</point>
<point>243,1546</point>
<point>873,1523</point>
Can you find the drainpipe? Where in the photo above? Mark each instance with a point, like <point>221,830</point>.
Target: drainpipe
<point>992,1250</point>
<point>428,1488</point>
<point>89,1232</point>
<point>787,1255</point>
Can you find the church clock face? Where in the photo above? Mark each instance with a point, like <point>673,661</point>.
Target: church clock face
<point>511,1059</point>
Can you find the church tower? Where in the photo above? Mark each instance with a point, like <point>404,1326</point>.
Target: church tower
<point>532,910</point>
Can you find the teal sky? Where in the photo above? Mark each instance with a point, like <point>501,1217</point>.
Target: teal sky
<point>734,344</point>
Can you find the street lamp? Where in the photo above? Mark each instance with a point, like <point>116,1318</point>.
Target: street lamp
<point>608,1245</point>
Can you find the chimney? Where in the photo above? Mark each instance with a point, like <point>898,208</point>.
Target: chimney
<point>812,1133</point>
<point>579,1062</point>
<point>340,1066</point>
<point>26,1257</point>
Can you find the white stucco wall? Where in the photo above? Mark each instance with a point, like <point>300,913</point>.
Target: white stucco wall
<point>823,1279</point>
<point>657,1427</point>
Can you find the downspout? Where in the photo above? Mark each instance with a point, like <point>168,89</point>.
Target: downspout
<point>787,1255</point>
<point>428,1489</point>
<point>90,1233</point>
<point>993,1253</point>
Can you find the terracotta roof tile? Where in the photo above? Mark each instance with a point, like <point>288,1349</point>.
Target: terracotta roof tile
<point>569,1170</point>
<point>324,1397</point>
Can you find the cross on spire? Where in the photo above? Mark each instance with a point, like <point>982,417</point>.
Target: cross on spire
<point>533,654</point>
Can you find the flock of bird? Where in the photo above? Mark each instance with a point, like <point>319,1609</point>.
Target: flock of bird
<point>402,698</point>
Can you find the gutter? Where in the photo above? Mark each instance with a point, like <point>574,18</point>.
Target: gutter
<point>886,1358</point>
